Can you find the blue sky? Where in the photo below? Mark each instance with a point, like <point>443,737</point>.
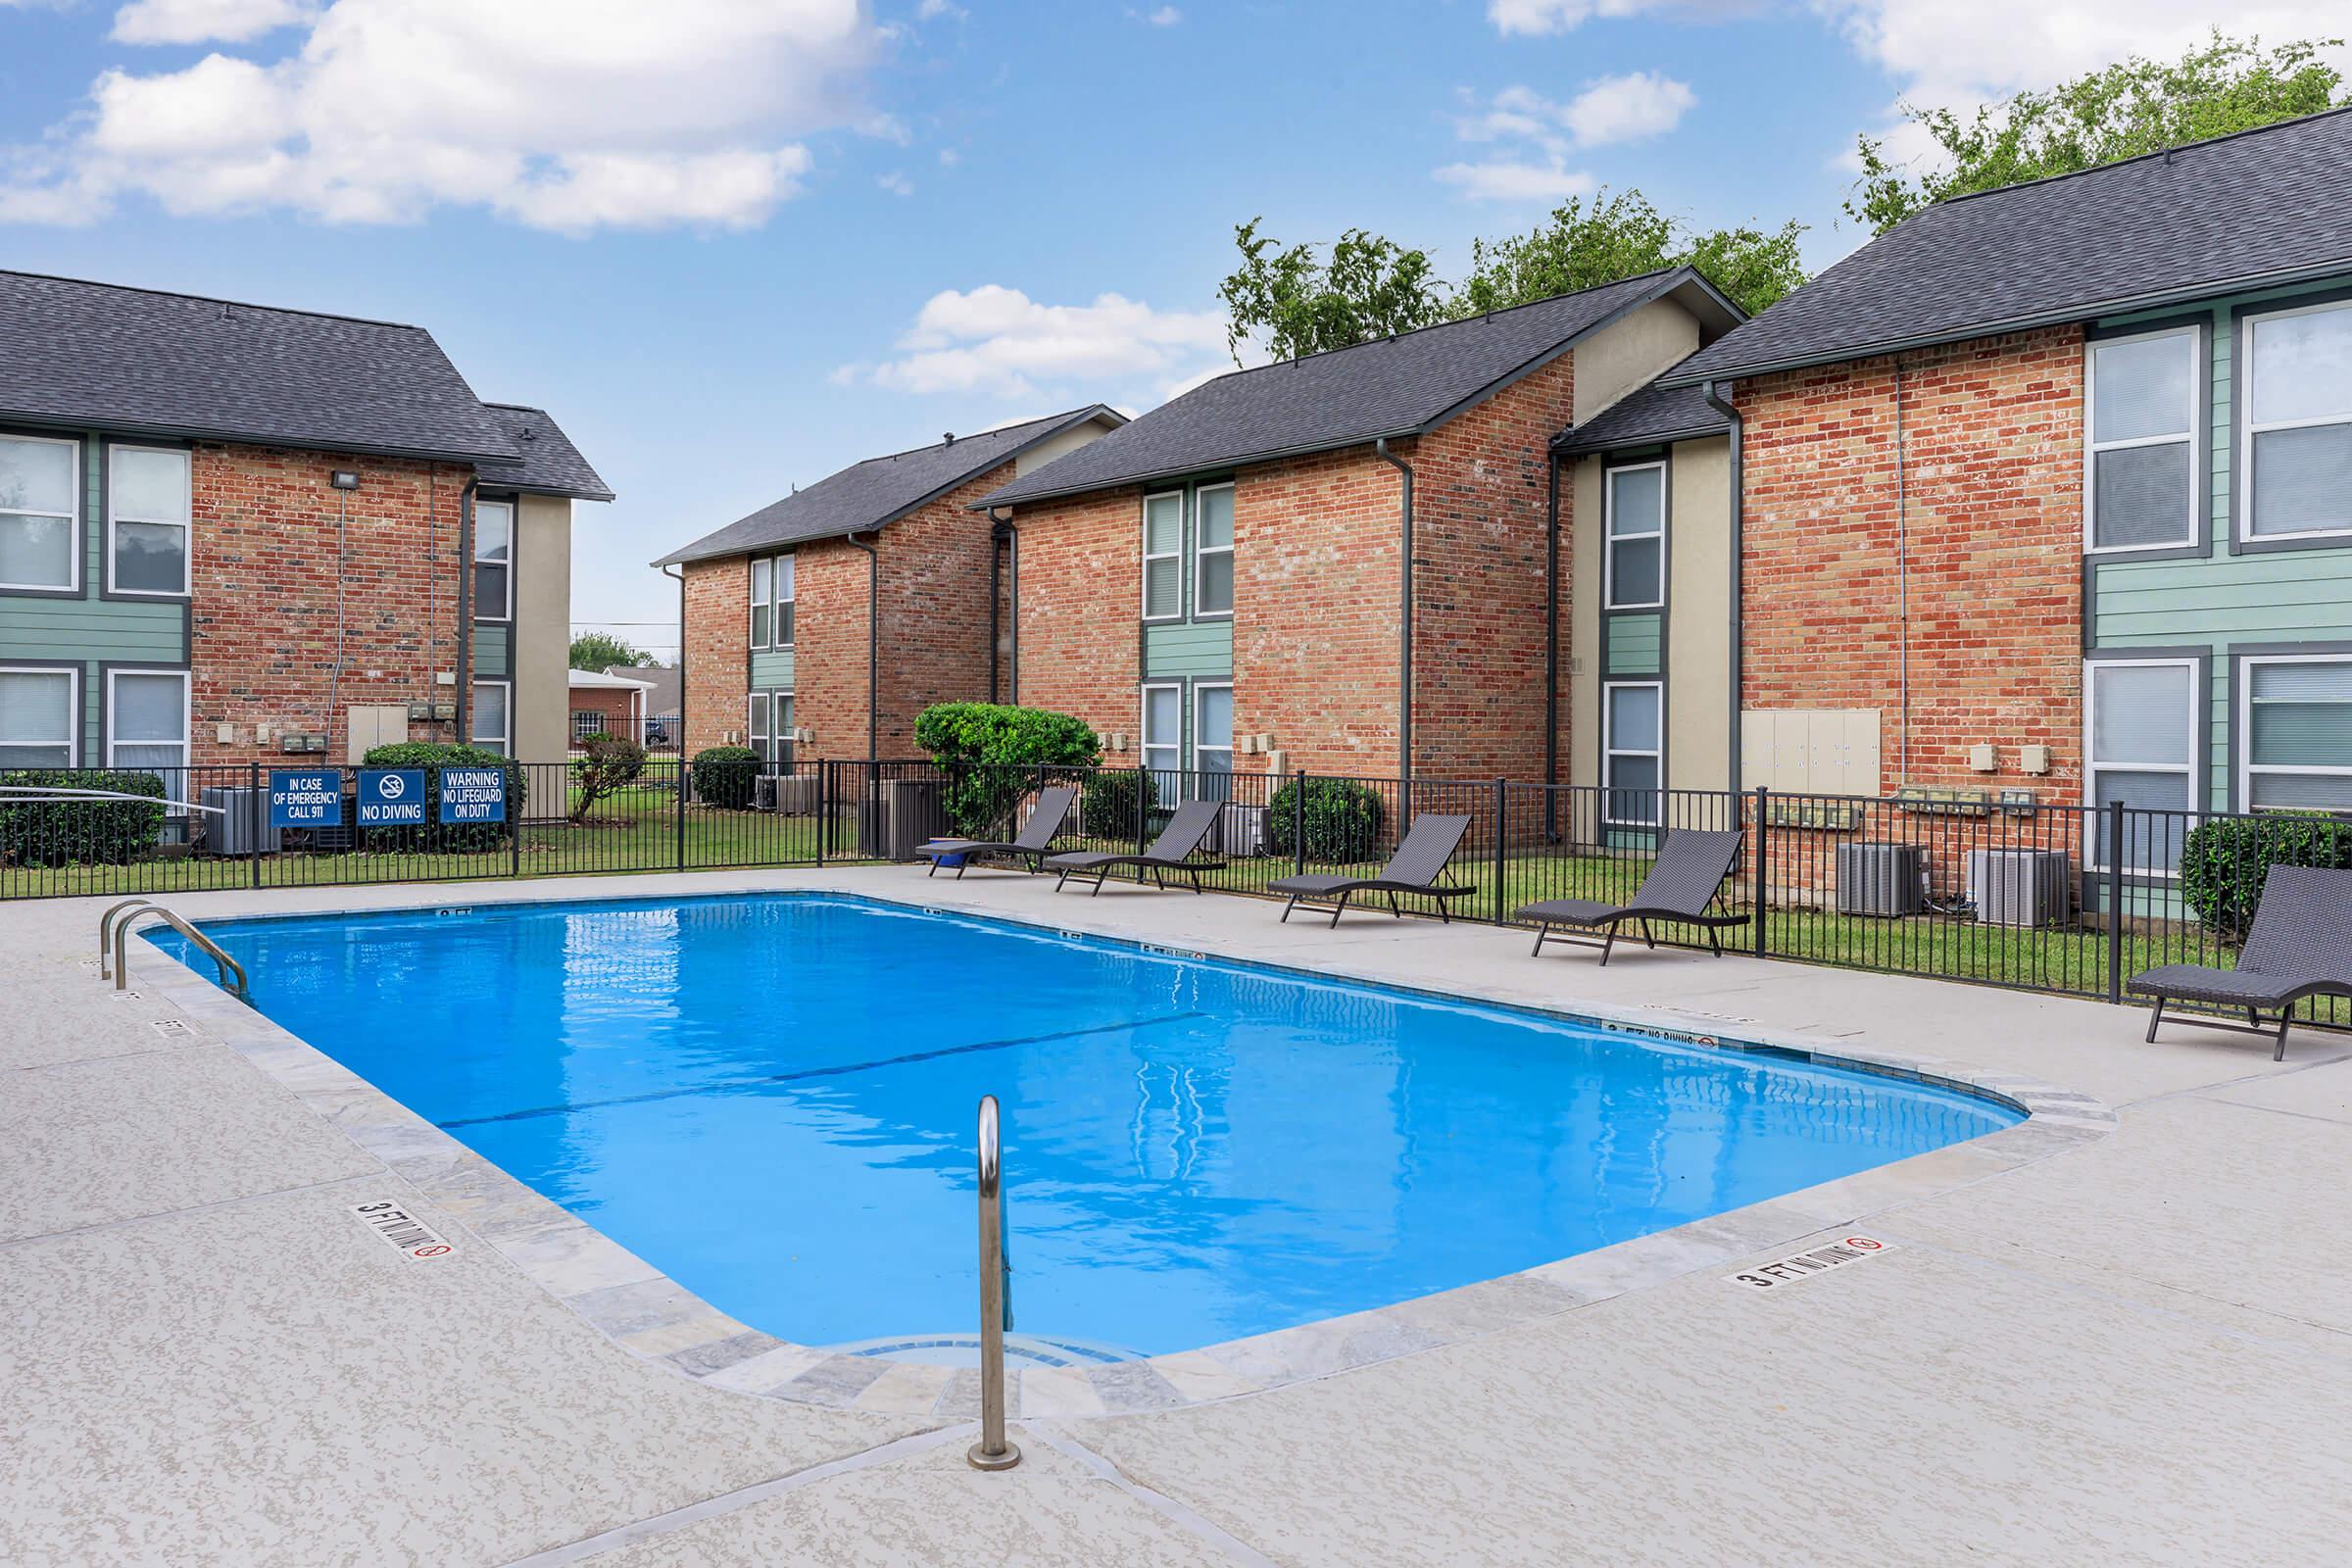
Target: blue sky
<point>736,244</point>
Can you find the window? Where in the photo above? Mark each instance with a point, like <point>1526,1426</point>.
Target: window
<point>36,718</point>
<point>1163,556</point>
<point>2298,458</point>
<point>1163,728</point>
<point>493,561</point>
<point>771,602</point>
<point>1212,733</point>
<point>38,512</point>
<point>763,600</point>
<point>147,719</point>
<point>493,730</point>
<point>1213,552</point>
<point>783,616</point>
<point>2141,749</point>
<point>147,521</point>
<point>2142,483</point>
<point>770,728</point>
<point>586,723</point>
<point>2295,721</point>
<point>1631,745</point>
<point>1636,508</point>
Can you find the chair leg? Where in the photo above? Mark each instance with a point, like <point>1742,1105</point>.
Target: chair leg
<point>2278,1051</point>
<point>1340,909</point>
<point>1061,881</point>
<point>1607,942</point>
<point>1287,908</point>
<point>2155,1019</point>
<point>934,871</point>
<point>959,870</point>
<point>1101,877</point>
<point>1197,887</point>
<point>1393,908</point>
<point>1543,930</point>
<point>1649,939</point>
<point>1715,942</point>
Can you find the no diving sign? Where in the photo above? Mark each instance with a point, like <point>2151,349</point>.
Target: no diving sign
<point>1804,1265</point>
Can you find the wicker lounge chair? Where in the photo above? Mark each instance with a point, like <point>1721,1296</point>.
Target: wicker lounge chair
<point>1172,851</point>
<point>1033,843</point>
<point>2301,946</point>
<point>1682,883</point>
<point>1414,868</point>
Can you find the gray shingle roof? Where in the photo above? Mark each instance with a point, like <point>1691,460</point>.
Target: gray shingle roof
<point>1647,416</point>
<point>74,353</point>
<point>550,465</point>
<point>2264,206</point>
<point>1398,386</point>
<point>880,490</point>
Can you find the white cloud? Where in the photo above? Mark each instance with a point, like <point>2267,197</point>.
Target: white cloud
<point>1506,179</point>
<point>1165,17</point>
<point>948,158</point>
<point>1627,108</point>
<point>896,182</point>
<point>1610,109</point>
<point>999,339</point>
<point>201,20</point>
<point>569,115</point>
<point>933,10</point>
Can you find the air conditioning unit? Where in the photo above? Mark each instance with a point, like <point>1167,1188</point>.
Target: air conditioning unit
<point>1241,830</point>
<point>792,794</point>
<point>2020,887</point>
<point>1883,879</point>
<point>233,833</point>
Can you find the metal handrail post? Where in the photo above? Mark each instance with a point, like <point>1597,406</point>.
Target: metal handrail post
<point>993,1451</point>
<point>106,931</point>
<point>227,965</point>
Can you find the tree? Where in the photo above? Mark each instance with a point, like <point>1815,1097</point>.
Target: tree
<point>607,764</point>
<point>2134,106</point>
<point>1369,287</point>
<point>1581,246</point>
<point>600,651</point>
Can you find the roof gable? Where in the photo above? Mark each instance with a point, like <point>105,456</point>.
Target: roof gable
<point>550,465</point>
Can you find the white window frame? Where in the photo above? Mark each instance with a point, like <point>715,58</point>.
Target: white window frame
<point>73,713</point>
<point>2247,768</point>
<point>2092,447</point>
<point>758,721</point>
<point>760,626</point>
<point>1610,538</point>
<point>593,719</point>
<point>1144,582</point>
<point>187,721</point>
<point>1610,749</point>
<point>1203,552</point>
<point>1199,687</point>
<point>2095,858</point>
<point>76,483</point>
<point>2249,430</point>
<point>186,526</point>
<point>780,595</point>
<point>1145,743</point>
<point>513,527</point>
<point>473,717</point>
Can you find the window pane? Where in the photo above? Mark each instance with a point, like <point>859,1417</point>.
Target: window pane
<point>1159,758</point>
<point>490,592</point>
<point>493,530</point>
<point>2303,366</point>
<point>151,558</point>
<point>1163,525</point>
<point>1637,500</point>
<point>2147,792</point>
<point>784,578</point>
<point>1216,519</point>
<point>2141,497</point>
<point>784,620</point>
<point>35,475</point>
<point>2142,388</point>
<point>1162,588</point>
<point>1634,571</point>
<point>490,716</point>
<point>760,623</point>
<point>36,708</point>
<point>1216,718</point>
<point>1216,585</point>
<point>151,487</point>
<point>36,551</point>
<point>15,756</point>
<point>1633,719</point>
<point>2301,714</point>
<point>149,708</point>
<point>784,724</point>
<point>2150,842</point>
<point>2303,479</point>
<point>2140,713</point>
<point>150,756</point>
<point>760,585</point>
<point>1163,716</point>
<point>759,727</point>
<point>2301,791</point>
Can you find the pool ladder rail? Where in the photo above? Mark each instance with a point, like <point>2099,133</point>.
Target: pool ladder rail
<point>993,1451</point>
<point>114,930</point>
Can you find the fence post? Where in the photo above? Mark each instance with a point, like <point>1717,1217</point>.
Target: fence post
<point>1502,807</point>
<point>1762,894</point>
<point>824,800</point>
<point>261,816</point>
<point>1142,817</point>
<point>678,810</point>
<point>1298,823</point>
<point>2115,902</point>
<point>514,805</point>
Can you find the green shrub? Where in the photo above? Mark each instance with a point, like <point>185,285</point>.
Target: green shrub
<point>1106,806</point>
<point>1342,818</point>
<point>607,766</point>
<point>56,831</point>
<point>995,754</point>
<point>432,757</point>
<point>725,776</point>
<point>2224,861</point>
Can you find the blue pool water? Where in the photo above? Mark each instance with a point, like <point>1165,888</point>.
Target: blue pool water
<point>770,1099</point>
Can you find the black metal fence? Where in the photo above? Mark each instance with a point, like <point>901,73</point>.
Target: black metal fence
<point>2069,900</point>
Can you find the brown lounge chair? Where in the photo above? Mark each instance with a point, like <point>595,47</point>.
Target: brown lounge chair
<point>1414,868</point>
<point>1682,883</point>
<point>1033,843</point>
<point>1172,851</point>
<point>2301,946</point>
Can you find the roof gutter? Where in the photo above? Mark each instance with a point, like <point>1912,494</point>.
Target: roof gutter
<point>1405,622</point>
<point>1712,391</point>
<point>291,443</point>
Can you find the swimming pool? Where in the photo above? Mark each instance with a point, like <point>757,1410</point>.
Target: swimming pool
<point>770,1097</point>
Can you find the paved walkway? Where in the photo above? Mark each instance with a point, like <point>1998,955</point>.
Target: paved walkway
<point>2133,1351</point>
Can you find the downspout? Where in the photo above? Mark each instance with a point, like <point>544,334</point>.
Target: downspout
<point>1902,579</point>
<point>465,727</point>
<point>680,577</point>
<point>1722,405</point>
<point>873,645</point>
<point>1405,622</point>
<point>1552,638</point>
<point>1000,538</point>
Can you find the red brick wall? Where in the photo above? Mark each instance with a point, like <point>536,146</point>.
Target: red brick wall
<point>1992,491</point>
<point>718,638</point>
<point>935,609</point>
<point>264,614</point>
<point>1081,603</point>
<point>829,637</point>
<point>619,709</point>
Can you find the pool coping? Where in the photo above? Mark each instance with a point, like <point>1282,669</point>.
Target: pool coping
<point>642,1310</point>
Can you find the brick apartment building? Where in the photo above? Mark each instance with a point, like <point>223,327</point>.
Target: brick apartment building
<point>783,608</point>
<point>234,534</point>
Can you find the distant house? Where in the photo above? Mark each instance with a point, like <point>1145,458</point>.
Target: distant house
<point>665,688</point>
<point>235,534</point>
<point>843,609</point>
<point>609,704</point>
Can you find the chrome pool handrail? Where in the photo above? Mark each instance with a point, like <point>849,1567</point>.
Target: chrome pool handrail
<point>106,931</point>
<point>227,965</point>
<point>992,1451</point>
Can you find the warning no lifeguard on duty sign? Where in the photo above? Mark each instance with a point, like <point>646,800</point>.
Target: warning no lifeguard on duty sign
<point>1804,1265</point>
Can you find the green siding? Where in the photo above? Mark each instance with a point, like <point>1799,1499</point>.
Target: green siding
<point>139,630</point>
<point>1630,644</point>
<point>1198,649</point>
<point>771,670</point>
<point>492,658</point>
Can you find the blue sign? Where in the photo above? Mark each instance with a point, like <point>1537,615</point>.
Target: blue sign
<point>306,799</point>
<point>391,797</point>
<point>473,795</point>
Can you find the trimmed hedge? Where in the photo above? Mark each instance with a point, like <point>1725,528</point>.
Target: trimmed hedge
<point>2224,860</point>
<point>726,777</point>
<point>57,832</point>
<point>432,757</point>
<point>993,754</point>
<point>1107,809</point>
<point>1342,820</point>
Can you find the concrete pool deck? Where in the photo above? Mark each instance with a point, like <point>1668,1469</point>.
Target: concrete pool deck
<point>2134,1348</point>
